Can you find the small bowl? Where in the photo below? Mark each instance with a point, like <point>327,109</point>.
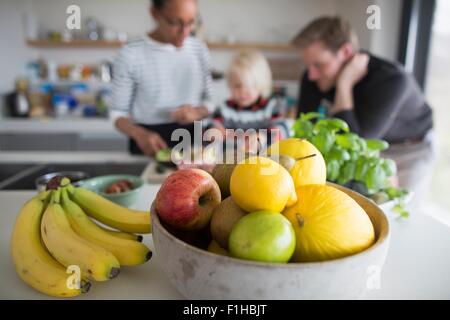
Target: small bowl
<point>199,274</point>
<point>75,177</point>
<point>100,184</point>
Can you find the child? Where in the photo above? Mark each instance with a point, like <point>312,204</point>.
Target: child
<point>251,105</point>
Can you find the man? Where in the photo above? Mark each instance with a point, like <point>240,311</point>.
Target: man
<point>374,96</point>
<point>162,81</point>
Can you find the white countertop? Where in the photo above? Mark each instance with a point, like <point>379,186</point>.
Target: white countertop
<point>416,267</point>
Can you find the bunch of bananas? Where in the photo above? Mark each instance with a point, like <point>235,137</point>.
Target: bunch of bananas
<point>54,234</point>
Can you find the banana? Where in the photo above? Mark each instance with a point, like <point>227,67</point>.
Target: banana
<point>109,213</point>
<point>70,249</point>
<point>128,252</point>
<point>120,234</point>
<point>33,263</point>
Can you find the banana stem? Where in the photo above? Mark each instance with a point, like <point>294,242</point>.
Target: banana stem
<point>64,194</point>
<point>70,188</point>
<point>56,196</point>
<point>64,182</point>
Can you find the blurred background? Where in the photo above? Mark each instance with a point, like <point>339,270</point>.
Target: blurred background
<point>55,83</point>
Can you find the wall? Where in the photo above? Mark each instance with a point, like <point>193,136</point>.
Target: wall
<point>249,20</point>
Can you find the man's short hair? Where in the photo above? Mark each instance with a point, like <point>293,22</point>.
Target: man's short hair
<point>333,32</point>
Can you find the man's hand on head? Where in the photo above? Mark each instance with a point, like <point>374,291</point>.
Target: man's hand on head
<point>187,113</point>
<point>355,69</point>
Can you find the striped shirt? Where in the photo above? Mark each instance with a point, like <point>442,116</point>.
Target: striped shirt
<point>152,79</point>
<point>263,114</point>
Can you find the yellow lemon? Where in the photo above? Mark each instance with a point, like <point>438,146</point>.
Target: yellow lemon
<point>328,224</point>
<point>259,183</point>
<point>309,168</point>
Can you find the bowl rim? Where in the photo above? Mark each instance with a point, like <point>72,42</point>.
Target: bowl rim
<point>118,176</point>
<point>42,180</point>
<point>382,238</point>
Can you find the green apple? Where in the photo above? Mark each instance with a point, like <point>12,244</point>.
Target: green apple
<point>262,236</point>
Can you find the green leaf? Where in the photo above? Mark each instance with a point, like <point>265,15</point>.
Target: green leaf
<point>323,141</point>
<point>332,170</point>
<point>389,167</point>
<point>396,193</point>
<point>303,129</point>
<point>347,140</point>
<point>375,179</point>
<point>333,124</point>
<point>354,155</point>
<point>339,154</point>
<point>361,169</point>
<point>310,116</point>
<point>376,144</point>
<point>400,211</point>
<point>361,145</point>
<point>347,172</point>
<point>339,124</point>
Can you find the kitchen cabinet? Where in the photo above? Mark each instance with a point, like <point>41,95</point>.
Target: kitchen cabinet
<point>60,135</point>
<point>33,142</point>
<point>61,142</point>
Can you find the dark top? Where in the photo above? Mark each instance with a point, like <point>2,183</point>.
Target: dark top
<point>388,103</point>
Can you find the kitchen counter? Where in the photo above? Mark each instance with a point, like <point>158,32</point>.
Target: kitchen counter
<point>49,125</point>
<point>69,157</point>
<point>416,266</point>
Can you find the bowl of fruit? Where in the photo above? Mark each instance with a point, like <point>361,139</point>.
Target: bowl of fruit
<point>267,228</point>
<point>122,189</point>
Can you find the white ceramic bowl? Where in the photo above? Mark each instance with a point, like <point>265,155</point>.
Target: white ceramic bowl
<point>199,274</point>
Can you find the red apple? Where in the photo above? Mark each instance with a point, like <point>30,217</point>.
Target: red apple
<point>187,199</point>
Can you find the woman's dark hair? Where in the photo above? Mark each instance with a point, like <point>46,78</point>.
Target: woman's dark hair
<point>158,4</point>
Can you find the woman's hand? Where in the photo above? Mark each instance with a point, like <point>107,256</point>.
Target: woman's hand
<point>148,141</point>
<point>187,114</point>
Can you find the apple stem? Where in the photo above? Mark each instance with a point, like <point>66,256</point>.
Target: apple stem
<point>303,158</point>
<point>300,220</point>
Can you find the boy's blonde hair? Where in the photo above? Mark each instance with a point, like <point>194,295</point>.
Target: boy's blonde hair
<point>254,68</point>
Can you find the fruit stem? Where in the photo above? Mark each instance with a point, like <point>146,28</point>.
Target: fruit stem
<point>300,220</point>
<point>70,188</point>
<point>56,196</point>
<point>85,286</point>
<point>64,182</point>
<point>64,194</point>
<point>303,158</point>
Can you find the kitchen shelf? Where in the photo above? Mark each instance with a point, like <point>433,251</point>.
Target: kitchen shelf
<point>117,44</point>
<point>74,44</point>
<point>252,45</point>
